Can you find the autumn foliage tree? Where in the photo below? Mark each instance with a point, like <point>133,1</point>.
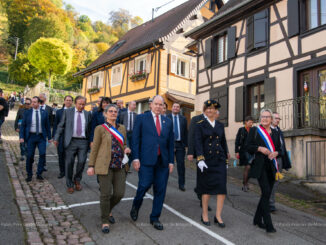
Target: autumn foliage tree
<point>51,55</point>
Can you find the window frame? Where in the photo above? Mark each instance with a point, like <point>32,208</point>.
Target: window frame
<point>249,91</point>
<point>307,15</point>
<point>115,83</point>
<point>186,67</point>
<point>139,59</point>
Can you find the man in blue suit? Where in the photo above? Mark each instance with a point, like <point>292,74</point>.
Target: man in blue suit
<point>68,100</point>
<point>153,158</point>
<point>34,130</point>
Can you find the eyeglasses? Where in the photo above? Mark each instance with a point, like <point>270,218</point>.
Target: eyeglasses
<point>111,111</point>
<point>27,103</point>
<point>277,118</point>
<point>265,117</point>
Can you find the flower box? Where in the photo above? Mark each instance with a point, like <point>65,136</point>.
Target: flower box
<point>138,76</point>
<point>93,90</point>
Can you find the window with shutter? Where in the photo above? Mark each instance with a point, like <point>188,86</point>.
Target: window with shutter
<point>182,67</point>
<point>131,67</point>
<point>220,49</point>
<point>257,30</point>
<point>208,52</point>
<point>256,99</point>
<point>89,82</point>
<point>101,79</point>
<point>141,64</point>
<point>148,61</point>
<point>116,76</point>
<point>293,17</point>
<point>239,104</point>
<point>315,13</point>
<point>231,43</point>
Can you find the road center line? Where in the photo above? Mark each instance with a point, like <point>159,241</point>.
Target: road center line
<point>192,222</point>
<point>82,204</point>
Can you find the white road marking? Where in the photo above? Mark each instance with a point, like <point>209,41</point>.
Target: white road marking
<point>192,222</point>
<point>82,204</point>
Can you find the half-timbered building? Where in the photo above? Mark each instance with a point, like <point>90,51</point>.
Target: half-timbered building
<point>150,59</point>
<point>258,54</point>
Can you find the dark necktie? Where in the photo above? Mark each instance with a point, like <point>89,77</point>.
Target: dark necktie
<point>79,124</point>
<point>131,121</point>
<point>37,123</point>
<point>176,131</point>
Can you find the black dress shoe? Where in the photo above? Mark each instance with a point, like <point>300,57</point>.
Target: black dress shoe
<point>270,230</point>
<point>44,169</point>
<point>61,175</point>
<point>28,179</point>
<point>182,188</point>
<point>134,213</point>
<point>39,177</point>
<point>111,219</point>
<point>272,209</point>
<point>157,225</point>
<point>222,225</point>
<point>205,222</point>
<point>260,225</point>
<point>106,229</point>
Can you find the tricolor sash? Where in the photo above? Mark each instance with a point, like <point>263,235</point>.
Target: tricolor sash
<point>270,145</point>
<point>115,133</point>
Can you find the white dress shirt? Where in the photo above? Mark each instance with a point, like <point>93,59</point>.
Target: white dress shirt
<point>33,125</point>
<point>212,123</point>
<point>159,118</point>
<point>82,115</point>
<point>129,126</point>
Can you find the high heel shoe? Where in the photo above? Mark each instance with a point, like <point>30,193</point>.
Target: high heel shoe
<point>105,229</point>
<point>222,225</point>
<point>207,223</point>
<point>260,225</point>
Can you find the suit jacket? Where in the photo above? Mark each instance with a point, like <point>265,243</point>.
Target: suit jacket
<point>66,126</point>
<point>254,140</point>
<point>49,109</point>
<point>100,156</point>
<point>183,129</point>
<point>25,127</point>
<point>19,116</point>
<point>285,157</point>
<point>123,118</point>
<point>145,140</point>
<point>97,119</point>
<point>191,134</point>
<point>57,119</point>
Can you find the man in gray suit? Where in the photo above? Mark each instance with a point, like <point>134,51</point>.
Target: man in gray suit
<point>75,126</point>
<point>127,118</point>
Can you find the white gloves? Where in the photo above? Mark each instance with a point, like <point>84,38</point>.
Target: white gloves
<point>125,159</point>
<point>201,165</point>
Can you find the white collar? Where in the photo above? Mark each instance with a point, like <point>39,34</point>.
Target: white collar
<point>77,110</point>
<point>154,115</point>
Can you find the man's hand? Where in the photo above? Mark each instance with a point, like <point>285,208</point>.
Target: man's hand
<point>90,171</point>
<point>127,150</point>
<point>17,130</point>
<point>190,157</point>
<point>50,141</point>
<point>56,143</point>
<point>273,155</point>
<point>171,166</point>
<point>136,165</point>
<point>91,144</point>
<point>21,140</point>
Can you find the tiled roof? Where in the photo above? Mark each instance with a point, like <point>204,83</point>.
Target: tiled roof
<point>148,33</point>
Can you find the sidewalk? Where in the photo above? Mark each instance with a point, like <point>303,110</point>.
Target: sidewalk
<point>40,226</point>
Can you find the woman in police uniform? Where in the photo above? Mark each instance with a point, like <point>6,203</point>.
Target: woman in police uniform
<point>212,152</point>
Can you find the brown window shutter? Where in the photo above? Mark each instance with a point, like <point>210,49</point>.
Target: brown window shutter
<point>250,33</point>
<point>239,104</point>
<point>261,29</point>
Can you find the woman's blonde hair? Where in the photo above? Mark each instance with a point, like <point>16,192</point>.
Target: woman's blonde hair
<point>264,110</point>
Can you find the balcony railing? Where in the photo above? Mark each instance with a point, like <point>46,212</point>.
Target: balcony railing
<point>301,112</point>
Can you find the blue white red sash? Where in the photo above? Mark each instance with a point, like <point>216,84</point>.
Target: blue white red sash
<point>115,133</point>
<point>268,142</point>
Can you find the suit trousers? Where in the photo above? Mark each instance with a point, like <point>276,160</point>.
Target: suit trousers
<point>180,154</point>
<point>34,141</point>
<point>116,180</point>
<point>61,156</point>
<point>157,176</point>
<point>79,148</point>
<point>272,199</point>
<point>129,141</point>
<point>266,182</point>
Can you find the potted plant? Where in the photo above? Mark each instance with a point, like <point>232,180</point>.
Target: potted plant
<point>93,90</point>
<point>138,76</point>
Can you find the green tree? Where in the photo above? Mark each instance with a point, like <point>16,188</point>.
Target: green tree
<point>50,55</point>
<point>23,72</point>
<point>57,3</point>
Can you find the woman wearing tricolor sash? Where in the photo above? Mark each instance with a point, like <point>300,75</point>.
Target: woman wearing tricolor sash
<point>264,143</point>
<point>108,160</point>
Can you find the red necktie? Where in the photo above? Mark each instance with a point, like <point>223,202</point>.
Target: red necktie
<point>158,129</point>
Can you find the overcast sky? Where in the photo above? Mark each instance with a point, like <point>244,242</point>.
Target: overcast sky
<point>100,9</point>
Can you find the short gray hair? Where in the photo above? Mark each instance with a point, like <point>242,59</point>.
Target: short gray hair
<point>158,96</point>
<point>44,94</point>
<point>109,106</point>
<point>264,110</point>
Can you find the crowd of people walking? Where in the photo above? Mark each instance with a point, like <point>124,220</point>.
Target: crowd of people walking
<point>118,138</point>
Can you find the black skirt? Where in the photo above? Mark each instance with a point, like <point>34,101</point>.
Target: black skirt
<point>213,179</point>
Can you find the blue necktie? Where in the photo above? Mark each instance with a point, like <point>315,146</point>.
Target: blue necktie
<point>37,123</point>
<point>176,131</point>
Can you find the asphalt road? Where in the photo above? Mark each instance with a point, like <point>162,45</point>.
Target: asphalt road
<point>181,215</point>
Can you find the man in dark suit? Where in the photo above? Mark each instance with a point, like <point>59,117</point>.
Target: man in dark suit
<point>127,118</point>
<point>45,107</point>
<point>4,109</point>
<point>75,126</point>
<point>68,100</point>
<point>180,142</point>
<point>283,161</point>
<point>35,129</point>
<point>153,157</point>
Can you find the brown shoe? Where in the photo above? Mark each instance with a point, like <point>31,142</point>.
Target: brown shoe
<point>78,186</point>
<point>70,190</point>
